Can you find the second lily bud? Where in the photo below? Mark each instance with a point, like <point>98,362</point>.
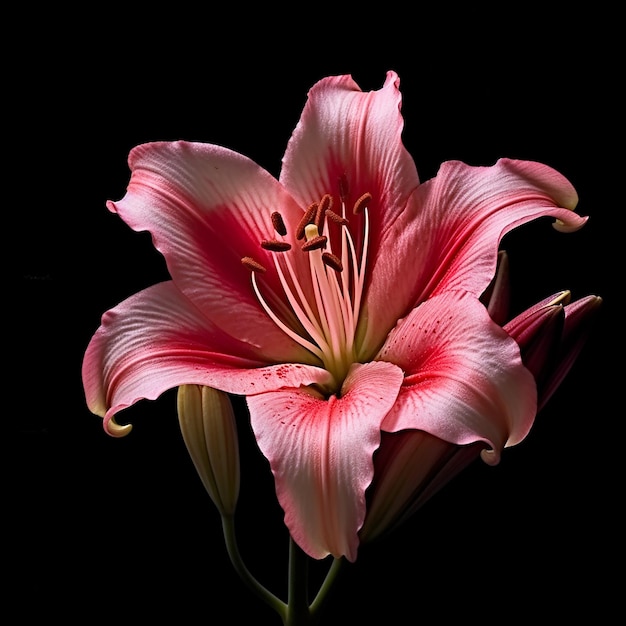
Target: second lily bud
<point>208,426</point>
<point>409,467</point>
<point>550,336</point>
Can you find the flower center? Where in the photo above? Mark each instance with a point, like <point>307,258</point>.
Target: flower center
<point>327,304</point>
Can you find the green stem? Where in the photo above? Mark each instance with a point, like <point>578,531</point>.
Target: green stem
<point>228,527</point>
<point>299,613</point>
<point>298,600</point>
<point>296,612</point>
<point>322,594</point>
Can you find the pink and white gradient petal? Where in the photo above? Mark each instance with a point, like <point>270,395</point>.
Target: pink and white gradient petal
<point>345,132</point>
<point>449,234</point>
<point>464,378</point>
<point>320,452</point>
<point>157,340</point>
<point>470,209</point>
<point>206,208</point>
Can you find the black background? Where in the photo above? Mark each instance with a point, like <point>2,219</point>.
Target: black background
<point>103,528</point>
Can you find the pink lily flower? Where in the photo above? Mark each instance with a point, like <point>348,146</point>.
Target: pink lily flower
<point>343,299</point>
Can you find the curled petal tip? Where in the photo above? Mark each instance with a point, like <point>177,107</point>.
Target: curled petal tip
<point>116,430</point>
<point>569,227</point>
<point>490,456</point>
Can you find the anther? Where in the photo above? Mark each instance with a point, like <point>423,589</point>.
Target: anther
<point>342,221</point>
<point>343,188</point>
<point>325,204</point>
<point>307,219</point>
<point>275,246</point>
<point>361,203</point>
<point>278,223</point>
<point>253,265</point>
<point>332,261</point>
<point>315,243</point>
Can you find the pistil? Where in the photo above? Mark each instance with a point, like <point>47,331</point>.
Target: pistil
<point>330,314</point>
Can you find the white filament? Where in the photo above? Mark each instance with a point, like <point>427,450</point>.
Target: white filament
<point>331,319</point>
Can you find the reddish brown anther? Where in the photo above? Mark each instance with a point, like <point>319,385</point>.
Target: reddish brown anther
<point>315,244</point>
<point>332,261</point>
<point>275,245</point>
<point>253,265</point>
<point>278,223</point>
<point>334,217</point>
<point>307,219</point>
<point>325,203</point>
<point>362,202</point>
<point>323,206</point>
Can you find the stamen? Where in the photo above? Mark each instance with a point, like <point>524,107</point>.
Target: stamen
<point>275,246</point>
<point>325,204</point>
<point>361,203</point>
<point>307,219</point>
<point>304,313</point>
<point>332,261</point>
<point>321,314</point>
<point>338,219</point>
<point>315,243</point>
<point>297,338</point>
<point>253,265</point>
<point>332,303</point>
<point>278,223</point>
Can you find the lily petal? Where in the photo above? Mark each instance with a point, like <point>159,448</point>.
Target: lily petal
<point>464,377</point>
<point>157,340</point>
<point>468,210</point>
<point>449,235</point>
<point>321,454</point>
<point>206,208</point>
<point>345,133</point>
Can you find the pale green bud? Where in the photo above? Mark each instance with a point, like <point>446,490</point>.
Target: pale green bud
<point>207,422</point>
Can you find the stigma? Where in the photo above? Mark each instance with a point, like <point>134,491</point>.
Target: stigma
<point>324,293</point>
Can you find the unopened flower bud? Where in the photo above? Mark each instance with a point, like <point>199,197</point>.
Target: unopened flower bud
<point>550,335</point>
<point>207,422</point>
<point>410,466</point>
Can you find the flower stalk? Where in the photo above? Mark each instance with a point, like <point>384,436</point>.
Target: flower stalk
<point>261,592</point>
<point>297,611</point>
